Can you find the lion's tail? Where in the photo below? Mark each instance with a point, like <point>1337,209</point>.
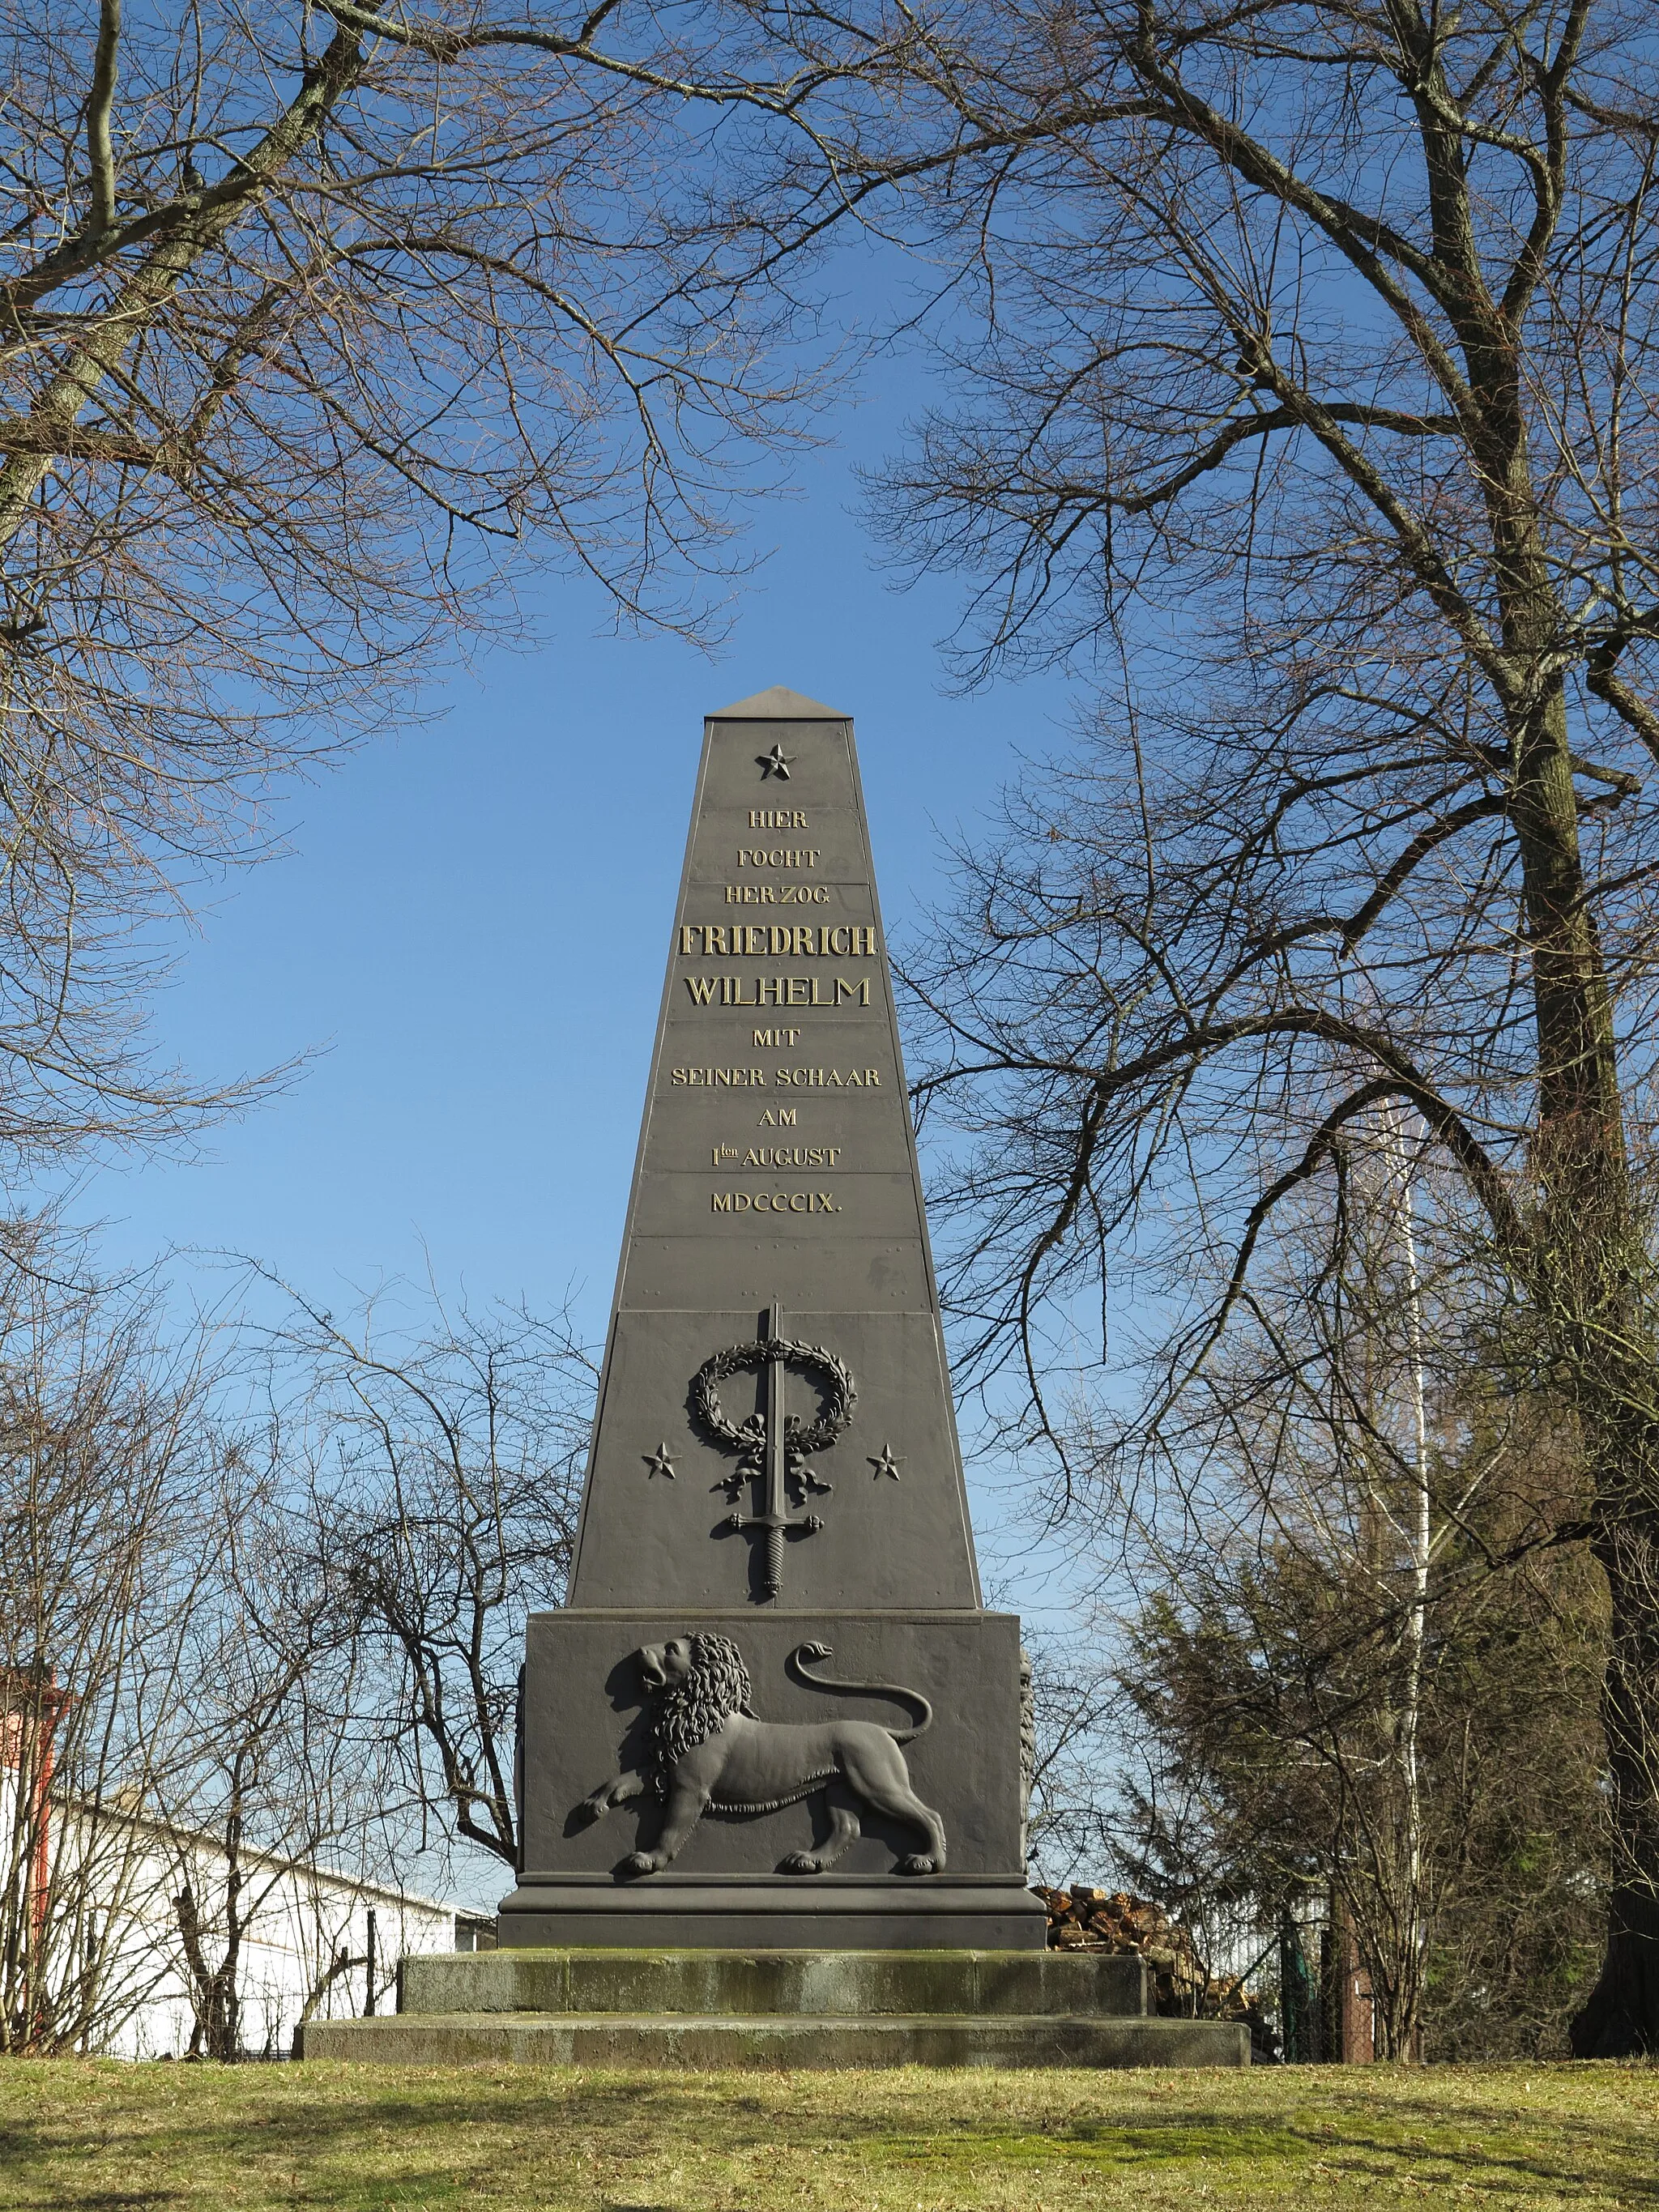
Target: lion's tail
<point>802,1652</point>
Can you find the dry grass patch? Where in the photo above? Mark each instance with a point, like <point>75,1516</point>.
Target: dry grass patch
<point>86,2137</point>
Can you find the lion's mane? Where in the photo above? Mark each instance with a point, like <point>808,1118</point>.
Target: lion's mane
<point>686,1714</point>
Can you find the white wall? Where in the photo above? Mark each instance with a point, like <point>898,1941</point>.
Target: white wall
<point>127,1874</point>
<point>302,1920</point>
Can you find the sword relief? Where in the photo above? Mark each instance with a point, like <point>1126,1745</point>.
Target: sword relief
<point>774,1447</point>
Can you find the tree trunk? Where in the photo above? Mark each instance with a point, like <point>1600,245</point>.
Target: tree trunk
<point>1617,2020</point>
<point>1589,1262</point>
<point>1621,2018</point>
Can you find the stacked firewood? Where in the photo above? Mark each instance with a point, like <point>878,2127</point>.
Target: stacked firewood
<point>1082,1918</point>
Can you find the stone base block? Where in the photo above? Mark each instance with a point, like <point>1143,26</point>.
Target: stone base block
<point>775,1913</point>
<point>824,1984</point>
<point>773,2040</point>
<point>706,2008</point>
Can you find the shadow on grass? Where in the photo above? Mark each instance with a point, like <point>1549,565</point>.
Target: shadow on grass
<point>89,2200</point>
<point>232,2124</point>
<point>1416,2139</point>
<point>440,2146</point>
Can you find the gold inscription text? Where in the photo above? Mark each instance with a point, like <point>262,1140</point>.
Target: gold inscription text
<point>777,895</point>
<point>777,991</point>
<point>774,1201</point>
<point>755,940</point>
<point>777,1156</point>
<point>827,1079</point>
<point>778,856</point>
<point>721,1079</point>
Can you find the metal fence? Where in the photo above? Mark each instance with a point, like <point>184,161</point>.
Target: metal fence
<point>1302,1964</point>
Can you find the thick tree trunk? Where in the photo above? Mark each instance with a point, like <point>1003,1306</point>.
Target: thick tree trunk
<point>1621,2018</point>
<point>1599,1325</point>
<point>1618,2018</point>
<point>1590,1264</point>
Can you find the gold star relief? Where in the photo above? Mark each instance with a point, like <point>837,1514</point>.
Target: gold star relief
<point>660,1462</point>
<point>776,762</point>
<point>890,1462</point>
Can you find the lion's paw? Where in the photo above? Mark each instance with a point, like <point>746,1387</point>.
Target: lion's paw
<point>917,1863</point>
<point>640,1863</point>
<point>801,1862</point>
<point>588,1811</point>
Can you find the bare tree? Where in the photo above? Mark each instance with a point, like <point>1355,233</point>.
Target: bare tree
<point>102,1471</point>
<point>190,1736</point>
<point>1073,1826</point>
<point>282,1778</point>
<point>316,324</point>
<point>441,1463</point>
<point>1313,390</point>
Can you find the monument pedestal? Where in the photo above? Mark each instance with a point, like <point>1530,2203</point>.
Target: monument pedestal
<point>587,1721</point>
<point>711,2008</point>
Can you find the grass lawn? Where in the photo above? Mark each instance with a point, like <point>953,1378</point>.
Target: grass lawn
<point>101,2137</point>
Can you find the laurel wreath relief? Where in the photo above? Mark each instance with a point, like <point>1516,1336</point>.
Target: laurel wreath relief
<point>801,1439</point>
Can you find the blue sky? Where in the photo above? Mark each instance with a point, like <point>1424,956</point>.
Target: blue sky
<point>469,925</point>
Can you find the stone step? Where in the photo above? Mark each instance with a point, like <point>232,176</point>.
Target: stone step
<point>815,1985</point>
<point>772,2040</point>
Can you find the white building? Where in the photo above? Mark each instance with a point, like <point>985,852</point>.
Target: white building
<point>317,1943</point>
<point>101,1910</point>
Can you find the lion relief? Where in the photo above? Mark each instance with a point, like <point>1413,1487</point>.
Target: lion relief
<point>707,1752</point>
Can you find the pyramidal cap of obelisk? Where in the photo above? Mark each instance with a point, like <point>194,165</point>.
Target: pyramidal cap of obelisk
<point>775,1471</point>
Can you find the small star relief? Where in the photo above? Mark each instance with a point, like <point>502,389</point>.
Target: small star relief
<point>890,1462</point>
<point>659,1462</point>
<point>776,762</point>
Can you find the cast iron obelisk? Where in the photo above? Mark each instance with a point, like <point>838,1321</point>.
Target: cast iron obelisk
<point>774,1509</point>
